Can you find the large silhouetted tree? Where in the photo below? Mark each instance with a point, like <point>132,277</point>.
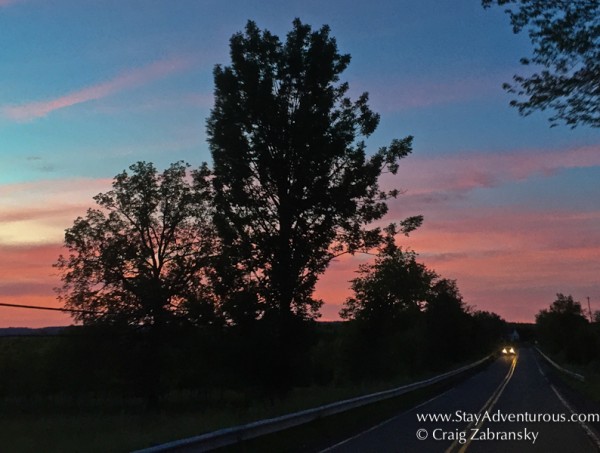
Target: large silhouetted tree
<point>566,39</point>
<point>139,258</point>
<point>294,186</point>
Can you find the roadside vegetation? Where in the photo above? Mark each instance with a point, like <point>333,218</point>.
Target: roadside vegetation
<point>84,390</point>
<point>571,336</point>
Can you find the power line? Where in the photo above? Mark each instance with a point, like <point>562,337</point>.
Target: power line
<point>69,310</point>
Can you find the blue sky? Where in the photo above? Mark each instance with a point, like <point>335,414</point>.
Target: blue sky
<point>90,86</point>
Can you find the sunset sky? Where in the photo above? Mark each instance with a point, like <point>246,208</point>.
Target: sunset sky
<point>88,87</point>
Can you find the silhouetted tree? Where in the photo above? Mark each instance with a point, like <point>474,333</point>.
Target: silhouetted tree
<point>566,39</point>
<point>392,289</point>
<point>294,187</point>
<point>387,309</point>
<point>488,330</point>
<point>293,184</point>
<point>139,258</point>
<point>448,323</point>
<point>562,328</point>
<point>406,318</point>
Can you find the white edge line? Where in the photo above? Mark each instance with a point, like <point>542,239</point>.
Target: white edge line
<point>589,431</point>
<point>560,368</point>
<point>385,422</point>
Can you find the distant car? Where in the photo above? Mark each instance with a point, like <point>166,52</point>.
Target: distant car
<point>509,350</point>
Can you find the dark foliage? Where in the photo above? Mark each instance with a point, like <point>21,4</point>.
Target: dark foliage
<point>293,184</point>
<point>393,287</point>
<point>140,258</point>
<point>405,317</point>
<point>563,329</point>
<point>566,39</point>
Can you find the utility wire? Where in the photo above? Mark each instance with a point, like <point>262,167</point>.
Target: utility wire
<point>69,310</point>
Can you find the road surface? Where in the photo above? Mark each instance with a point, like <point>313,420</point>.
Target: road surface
<point>508,407</point>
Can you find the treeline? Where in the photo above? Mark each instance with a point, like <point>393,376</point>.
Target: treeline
<point>403,321</point>
<point>210,364</point>
<point>566,330</point>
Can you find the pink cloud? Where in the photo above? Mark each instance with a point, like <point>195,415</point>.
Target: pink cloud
<point>38,212</point>
<point>439,179</point>
<point>130,79</point>
<point>29,264</point>
<point>42,212</point>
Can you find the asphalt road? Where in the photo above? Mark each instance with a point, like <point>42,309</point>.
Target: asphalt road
<point>480,409</point>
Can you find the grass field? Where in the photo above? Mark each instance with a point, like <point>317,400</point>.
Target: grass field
<point>100,425</point>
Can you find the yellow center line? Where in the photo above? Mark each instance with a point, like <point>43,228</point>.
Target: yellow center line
<point>489,404</point>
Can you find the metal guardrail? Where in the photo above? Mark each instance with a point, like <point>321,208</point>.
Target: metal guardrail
<point>579,377</point>
<point>230,436</point>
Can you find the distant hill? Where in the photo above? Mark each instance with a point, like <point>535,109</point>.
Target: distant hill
<point>26,331</point>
